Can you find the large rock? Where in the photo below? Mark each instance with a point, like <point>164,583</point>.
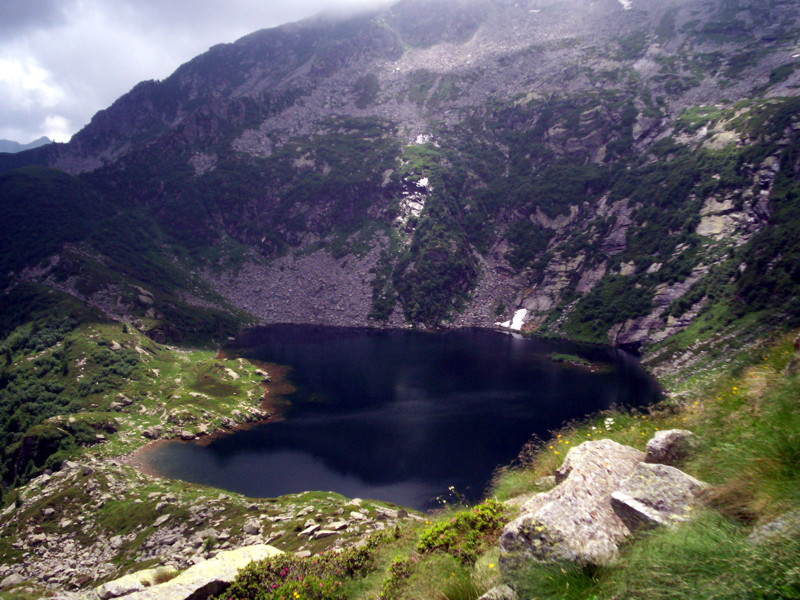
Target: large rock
<point>657,495</point>
<point>670,447</point>
<point>207,578</point>
<point>135,582</point>
<point>574,521</point>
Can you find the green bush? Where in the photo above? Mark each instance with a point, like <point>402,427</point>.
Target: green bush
<point>466,533</point>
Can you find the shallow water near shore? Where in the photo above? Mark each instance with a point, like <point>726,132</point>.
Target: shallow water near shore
<point>402,416</point>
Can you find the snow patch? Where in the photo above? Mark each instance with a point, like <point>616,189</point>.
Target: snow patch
<point>626,4</point>
<point>517,322</point>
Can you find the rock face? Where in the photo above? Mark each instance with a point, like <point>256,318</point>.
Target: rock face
<point>656,495</point>
<point>604,491</point>
<point>206,578</point>
<point>575,521</point>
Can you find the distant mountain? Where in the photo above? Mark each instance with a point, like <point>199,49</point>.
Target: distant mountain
<point>611,171</point>
<point>10,146</point>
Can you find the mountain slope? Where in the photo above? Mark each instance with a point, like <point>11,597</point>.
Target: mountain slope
<point>603,170</point>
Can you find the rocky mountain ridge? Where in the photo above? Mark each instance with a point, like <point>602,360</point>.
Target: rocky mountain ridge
<point>520,115</point>
<point>548,133</point>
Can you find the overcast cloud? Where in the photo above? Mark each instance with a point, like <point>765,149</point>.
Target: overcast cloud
<point>63,60</point>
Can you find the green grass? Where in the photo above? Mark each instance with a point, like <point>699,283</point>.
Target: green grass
<point>715,560</point>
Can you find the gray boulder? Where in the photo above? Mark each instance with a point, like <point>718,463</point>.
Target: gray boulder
<point>11,580</point>
<point>670,447</point>
<point>786,524</point>
<point>657,495</point>
<point>574,521</point>
<point>252,527</point>
<point>135,582</point>
<point>206,578</point>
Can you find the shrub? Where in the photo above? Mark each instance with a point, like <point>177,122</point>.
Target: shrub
<point>466,533</point>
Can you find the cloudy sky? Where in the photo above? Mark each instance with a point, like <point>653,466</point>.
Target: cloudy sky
<point>63,60</point>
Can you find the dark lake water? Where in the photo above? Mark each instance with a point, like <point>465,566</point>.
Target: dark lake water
<point>403,415</point>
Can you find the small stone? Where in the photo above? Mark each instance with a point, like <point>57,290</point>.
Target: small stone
<point>152,433</point>
<point>501,592</point>
<point>323,533</point>
<point>310,530</point>
<point>169,540</point>
<point>670,447</point>
<point>161,520</point>
<point>302,554</point>
<point>251,528</point>
<point>48,512</point>
<point>187,435</point>
<point>783,525</point>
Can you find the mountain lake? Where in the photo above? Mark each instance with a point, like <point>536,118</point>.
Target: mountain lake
<point>402,416</point>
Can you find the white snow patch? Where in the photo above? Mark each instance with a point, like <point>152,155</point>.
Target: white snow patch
<point>519,319</point>
<point>517,322</point>
<point>626,4</point>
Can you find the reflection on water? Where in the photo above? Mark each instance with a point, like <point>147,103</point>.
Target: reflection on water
<point>402,415</point>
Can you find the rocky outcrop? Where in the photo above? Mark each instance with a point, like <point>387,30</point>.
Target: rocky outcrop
<point>575,521</point>
<point>207,578</point>
<point>135,582</point>
<point>605,491</point>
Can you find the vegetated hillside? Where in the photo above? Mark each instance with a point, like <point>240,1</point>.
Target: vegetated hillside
<point>602,170</point>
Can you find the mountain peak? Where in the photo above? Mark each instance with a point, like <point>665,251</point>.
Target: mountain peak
<point>10,146</point>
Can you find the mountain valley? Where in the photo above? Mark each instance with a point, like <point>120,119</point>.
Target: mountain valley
<point>624,173</point>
